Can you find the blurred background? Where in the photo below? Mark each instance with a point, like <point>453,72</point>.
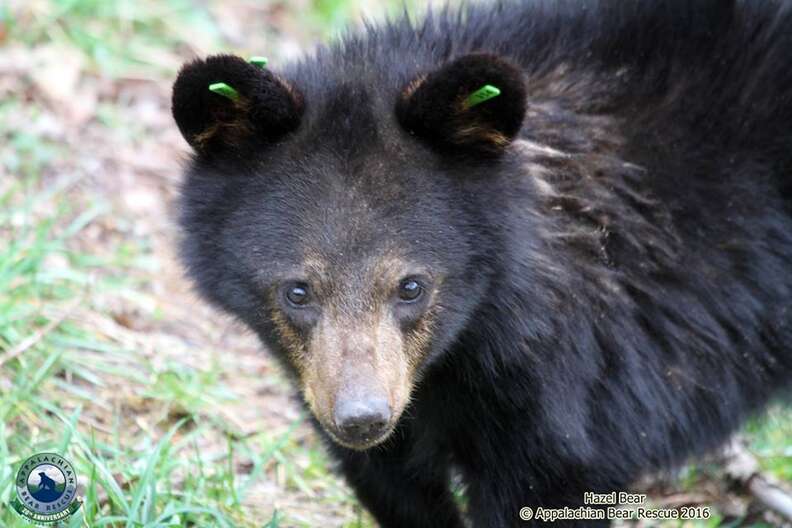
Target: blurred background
<point>171,412</point>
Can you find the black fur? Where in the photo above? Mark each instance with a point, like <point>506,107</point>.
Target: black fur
<point>266,109</point>
<point>436,110</point>
<point>618,292</point>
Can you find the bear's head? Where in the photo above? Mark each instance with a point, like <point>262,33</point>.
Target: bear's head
<point>348,217</point>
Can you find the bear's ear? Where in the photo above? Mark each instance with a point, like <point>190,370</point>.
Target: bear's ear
<point>246,107</point>
<point>475,103</point>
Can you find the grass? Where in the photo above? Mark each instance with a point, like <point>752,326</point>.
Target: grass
<point>102,359</point>
<point>146,425</point>
<point>118,37</point>
<point>51,380</point>
<point>771,442</point>
<point>54,389</point>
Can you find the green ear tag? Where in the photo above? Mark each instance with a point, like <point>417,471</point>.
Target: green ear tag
<point>485,93</point>
<point>223,89</point>
<point>261,62</point>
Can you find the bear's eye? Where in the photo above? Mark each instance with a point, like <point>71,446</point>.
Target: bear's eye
<point>297,294</point>
<point>410,290</point>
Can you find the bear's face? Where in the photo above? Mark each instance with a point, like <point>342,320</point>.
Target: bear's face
<point>356,278</point>
<point>350,247</point>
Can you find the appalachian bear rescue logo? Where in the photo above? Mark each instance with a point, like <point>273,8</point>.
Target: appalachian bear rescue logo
<point>46,489</point>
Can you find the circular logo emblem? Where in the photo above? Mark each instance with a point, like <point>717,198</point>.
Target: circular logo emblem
<point>46,488</point>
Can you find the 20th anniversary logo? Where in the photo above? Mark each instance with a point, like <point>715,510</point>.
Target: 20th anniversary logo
<point>46,489</point>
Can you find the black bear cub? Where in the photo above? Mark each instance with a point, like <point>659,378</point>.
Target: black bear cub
<point>546,245</point>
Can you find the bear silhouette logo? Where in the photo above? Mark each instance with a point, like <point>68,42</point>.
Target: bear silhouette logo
<point>46,482</point>
<point>46,489</point>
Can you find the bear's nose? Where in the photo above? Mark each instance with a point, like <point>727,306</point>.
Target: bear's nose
<point>359,421</point>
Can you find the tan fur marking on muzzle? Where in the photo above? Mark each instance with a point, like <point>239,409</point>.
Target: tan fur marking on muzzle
<point>291,340</point>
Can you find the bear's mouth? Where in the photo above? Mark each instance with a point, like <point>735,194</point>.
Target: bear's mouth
<point>360,442</point>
